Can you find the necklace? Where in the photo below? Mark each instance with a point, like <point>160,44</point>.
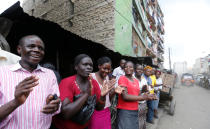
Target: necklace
<point>77,85</point>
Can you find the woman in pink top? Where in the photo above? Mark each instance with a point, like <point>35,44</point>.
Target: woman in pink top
<point>102,119</point>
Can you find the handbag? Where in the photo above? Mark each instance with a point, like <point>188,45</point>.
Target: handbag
<point>85,113</point>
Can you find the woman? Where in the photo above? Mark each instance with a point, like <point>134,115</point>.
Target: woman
<point>127,117</point>
<point>157,87</point>
<point>142,104</point>
<point>102,119</point>
<point>75,85</point>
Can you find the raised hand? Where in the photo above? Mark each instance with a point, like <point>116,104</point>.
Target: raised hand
<point>112,82</point>
<point>23,89</point>
<point>107,86</point>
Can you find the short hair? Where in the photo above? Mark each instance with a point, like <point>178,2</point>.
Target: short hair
<point>137,65</point>
<point>122,60</point>
<point>22,40</point>
<point>104,60</point>
<point>79,57</point>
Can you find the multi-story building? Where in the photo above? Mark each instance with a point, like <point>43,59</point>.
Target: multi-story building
<point>131,27</point>
<point>202,65</point>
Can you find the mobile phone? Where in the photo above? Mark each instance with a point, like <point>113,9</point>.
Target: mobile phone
<point>55,97</point>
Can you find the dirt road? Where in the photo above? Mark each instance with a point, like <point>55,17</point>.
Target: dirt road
<point>192,109</point>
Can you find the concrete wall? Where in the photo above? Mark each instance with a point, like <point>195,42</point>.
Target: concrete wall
<point>90,19</point>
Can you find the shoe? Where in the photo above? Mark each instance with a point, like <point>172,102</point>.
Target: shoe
<point>155,114</point>
<point>151,122</point>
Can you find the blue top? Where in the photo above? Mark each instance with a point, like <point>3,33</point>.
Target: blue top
<point>149,80</point>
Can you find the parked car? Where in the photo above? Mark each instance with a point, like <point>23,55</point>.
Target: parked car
<point>187,79</point>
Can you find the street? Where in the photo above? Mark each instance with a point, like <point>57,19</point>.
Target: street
<point>192,109</point>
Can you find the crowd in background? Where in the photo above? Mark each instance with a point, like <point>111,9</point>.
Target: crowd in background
<point>35,97</point>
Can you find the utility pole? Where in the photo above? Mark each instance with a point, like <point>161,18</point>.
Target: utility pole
<point>169,55</point>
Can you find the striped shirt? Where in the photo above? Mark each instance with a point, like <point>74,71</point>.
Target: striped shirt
<point>28,115</point>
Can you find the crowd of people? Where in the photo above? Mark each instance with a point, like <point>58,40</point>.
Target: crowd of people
<point>33,97</point>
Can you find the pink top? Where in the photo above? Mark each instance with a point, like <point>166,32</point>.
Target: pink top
<point>28,115</point>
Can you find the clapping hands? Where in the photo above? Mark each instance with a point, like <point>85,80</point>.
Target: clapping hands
<point>119,89</point>
<point>107,86</point>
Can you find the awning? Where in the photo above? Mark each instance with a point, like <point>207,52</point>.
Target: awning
<point>61,45</point>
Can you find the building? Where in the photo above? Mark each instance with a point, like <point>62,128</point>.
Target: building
<point>131,27</point>
<point>202,65</point>
<point>180,67</point>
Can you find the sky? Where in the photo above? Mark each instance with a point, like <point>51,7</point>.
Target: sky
<point>186,28</point>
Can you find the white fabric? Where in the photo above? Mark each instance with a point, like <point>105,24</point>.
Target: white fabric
<point>117,73</point>
<point>159,82</point>
<point>107,103</point>
<point>141,84</point>
<point>7,58</point>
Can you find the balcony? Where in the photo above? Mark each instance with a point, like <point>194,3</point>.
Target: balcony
<point>141,13</point>
<point>150,52</point>
<point>160,57</point>
<point>160,38</point>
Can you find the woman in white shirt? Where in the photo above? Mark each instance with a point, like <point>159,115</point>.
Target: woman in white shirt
<point>102,119</point>
<point>158,88</point>
<point>143,88</point>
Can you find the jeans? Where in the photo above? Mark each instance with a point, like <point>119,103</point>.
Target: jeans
<point>156,102</point>
<point>150,113</point>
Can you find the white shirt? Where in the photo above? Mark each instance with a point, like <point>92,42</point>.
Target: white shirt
<point>159,82</point>
<point>141,84</point>
<point>118,72</point>
<point>7,58</point>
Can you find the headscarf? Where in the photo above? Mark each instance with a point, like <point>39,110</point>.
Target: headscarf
<point>148,67</point>
<point>157,71</point>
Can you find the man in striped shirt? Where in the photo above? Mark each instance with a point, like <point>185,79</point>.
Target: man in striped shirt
<point>27,89</point>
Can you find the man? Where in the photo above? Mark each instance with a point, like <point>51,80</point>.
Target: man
<point>27,89</point>
<point>119,71</point>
